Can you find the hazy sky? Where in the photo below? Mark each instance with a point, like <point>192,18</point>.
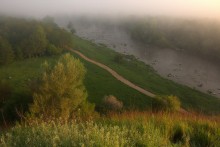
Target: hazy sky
<point>202,8</point>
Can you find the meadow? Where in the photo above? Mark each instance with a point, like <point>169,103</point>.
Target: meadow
<point>100,83</point>
<point>127,129</point>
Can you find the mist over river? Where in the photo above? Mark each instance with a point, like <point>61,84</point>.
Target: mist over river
<point>172,64</point>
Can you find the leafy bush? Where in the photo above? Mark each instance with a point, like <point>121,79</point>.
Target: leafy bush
<point>111,103</point>
<point>118,58</point>
<point>53,50</point>
<point>166,103</point>
<point>60,91</point>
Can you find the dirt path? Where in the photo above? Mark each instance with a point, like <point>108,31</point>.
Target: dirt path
<point>115,74</point>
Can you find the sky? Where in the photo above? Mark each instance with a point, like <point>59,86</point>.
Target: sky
<point>41,8</point>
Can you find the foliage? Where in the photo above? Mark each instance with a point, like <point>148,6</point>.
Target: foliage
<point>144,76</point>
<point>130,130</point>
<point>36,44</point>
<point>118,58</point>
<point>6,52</point>
<point>111,103</point>
<point>61,90</point>
<point>53,50</point>
<point>5,93</point>
<point>21,38</point>
<point>22,72</point>
<point>166,103</point>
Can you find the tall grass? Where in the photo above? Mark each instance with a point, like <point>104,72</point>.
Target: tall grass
<point>131,129</point>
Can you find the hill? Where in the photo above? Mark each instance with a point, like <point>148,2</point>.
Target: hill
<point>144,76</point>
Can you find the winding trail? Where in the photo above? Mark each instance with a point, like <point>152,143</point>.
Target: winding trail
<point>114,74</point>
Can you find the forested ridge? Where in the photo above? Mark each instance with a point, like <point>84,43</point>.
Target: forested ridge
<point>25,38</point>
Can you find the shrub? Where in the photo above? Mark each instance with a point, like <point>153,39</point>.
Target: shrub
<point>118,58</point>
<point>111,103</point>
<point>53,50</point>
<point>60,92</point>
<point>5,92</point>
<point>166,103</point>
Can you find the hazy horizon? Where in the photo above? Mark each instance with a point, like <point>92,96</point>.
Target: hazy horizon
<point>178,8</point>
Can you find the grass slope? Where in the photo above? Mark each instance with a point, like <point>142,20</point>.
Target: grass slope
<point>100,83</point>
<point>144,76</point>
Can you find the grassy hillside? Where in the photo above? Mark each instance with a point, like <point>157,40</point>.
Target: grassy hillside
<point>144,76</point>
<point>100,83</point>
<point>131,128</point>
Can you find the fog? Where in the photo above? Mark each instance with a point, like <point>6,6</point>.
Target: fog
<point>176,65</point>
<point>172,64</point>
<point>41,8</point>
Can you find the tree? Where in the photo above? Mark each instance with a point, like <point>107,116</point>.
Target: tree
<point>6,52</point>
<point>53,50</point>
<point>36,44</point>
<point>61,91</point>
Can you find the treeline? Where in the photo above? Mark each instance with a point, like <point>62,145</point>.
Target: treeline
<point>23,38</point>
<point>197,37</point>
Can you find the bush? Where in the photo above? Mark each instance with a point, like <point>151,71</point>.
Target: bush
<point>53,50</point>
<point>166,103</point>
<point>5,92</point>
<point>118,58</point>
<point>111,103</point>
<point>60,92</point>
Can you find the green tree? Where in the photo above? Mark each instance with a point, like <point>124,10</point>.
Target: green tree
<point>53,50</point>
<point>36,44</point>
<point>59,37</point>
<point>6,52</point>
<point>61,91</point>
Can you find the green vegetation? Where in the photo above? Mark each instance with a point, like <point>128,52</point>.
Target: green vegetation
<point>51,99</point>
<point>21,77</point>
<point>60,92</point>
<point>22,38</point>
<point>111,103</point>
<point>166,103</point>
<point>144,76</point>
<point>129,129</point>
